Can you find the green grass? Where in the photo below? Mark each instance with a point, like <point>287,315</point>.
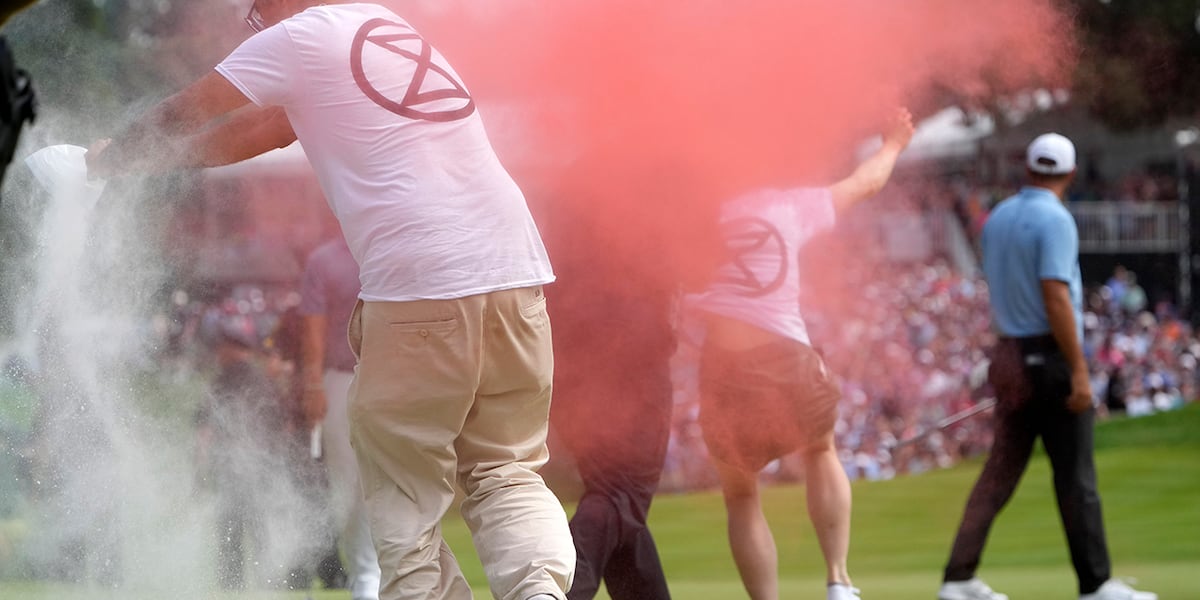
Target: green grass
<point>1150,484</point>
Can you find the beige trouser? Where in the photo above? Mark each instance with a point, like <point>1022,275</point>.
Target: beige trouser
<point>449,389</point>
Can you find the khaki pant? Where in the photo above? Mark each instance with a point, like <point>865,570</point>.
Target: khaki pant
<point>458,389</point>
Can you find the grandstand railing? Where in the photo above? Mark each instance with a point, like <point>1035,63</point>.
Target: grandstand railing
<point>956,244</point>
<point>920,236</point>
<point>1127,227</point>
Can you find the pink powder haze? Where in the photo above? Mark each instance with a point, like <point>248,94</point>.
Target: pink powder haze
<point>652,111</point>
<point>627,122</point>
<point>749,92</point>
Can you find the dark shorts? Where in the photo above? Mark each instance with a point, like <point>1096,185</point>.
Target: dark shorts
<point>758,405</point>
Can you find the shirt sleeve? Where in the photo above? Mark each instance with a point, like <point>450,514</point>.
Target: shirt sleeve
<point>1059,254</point>
<point>814,209</point>
<point>265,67</point>
<point>313,299</point>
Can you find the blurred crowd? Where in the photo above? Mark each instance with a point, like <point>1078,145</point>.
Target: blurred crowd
<point>253,446</point>
<point>906,339</point>
<point>1145,186</point>
<point>908,342</point>
<point>1143,359</point>
<point>190,323</point>
<point>1150,184</point>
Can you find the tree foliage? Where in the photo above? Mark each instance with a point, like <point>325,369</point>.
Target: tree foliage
<point>98,61</point>
<point>1139,61</point>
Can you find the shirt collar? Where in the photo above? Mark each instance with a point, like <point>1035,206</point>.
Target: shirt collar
<point>1038,193</point>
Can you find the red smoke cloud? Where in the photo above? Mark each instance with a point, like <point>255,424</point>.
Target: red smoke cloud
<point>628,121</point>
<point>640,112</point>
<point>749,92</point>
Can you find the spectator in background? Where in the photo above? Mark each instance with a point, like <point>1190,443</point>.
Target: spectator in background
<point>328,292</point>
<point>1138,352</point>
<point>1138,403</point>
<point>612,411</point>
<point>1133,300</point>
<point>284,346</point>
<point>242,452</point>
<point>614,338</point>
<point>1118,283</point>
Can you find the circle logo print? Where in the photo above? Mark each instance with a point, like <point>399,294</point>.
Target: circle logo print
<point>434,94</point>
<point>755,247</point>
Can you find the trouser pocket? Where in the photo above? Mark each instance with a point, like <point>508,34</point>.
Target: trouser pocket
<point>354,330</point>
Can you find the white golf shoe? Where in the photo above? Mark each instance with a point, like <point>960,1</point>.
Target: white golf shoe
<point>841,591</point>
<point>971,589</point>
<point>1115,589</point>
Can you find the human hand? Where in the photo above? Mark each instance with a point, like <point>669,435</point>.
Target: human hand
<point>1081,392</point>
<point>94,158</point>
<point>899,129</point>
<point>315,404</point>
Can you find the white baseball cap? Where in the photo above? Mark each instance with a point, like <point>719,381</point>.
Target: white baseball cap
<point>1051,154</point>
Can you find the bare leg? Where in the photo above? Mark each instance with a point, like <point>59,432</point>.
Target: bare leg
<point>828,491</point>
<point>750,537</point>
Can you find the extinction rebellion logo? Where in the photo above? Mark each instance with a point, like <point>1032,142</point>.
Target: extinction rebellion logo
<point>434,94</point>
<point>754,245</point>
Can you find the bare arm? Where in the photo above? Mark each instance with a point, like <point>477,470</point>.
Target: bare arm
<point>248,133</point>
<point>873,173</point>
<point>312,366</point>
<point>1061,314</point>
<point>162,129</point>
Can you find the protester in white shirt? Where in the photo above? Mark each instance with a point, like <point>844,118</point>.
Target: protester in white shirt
<point>451,332</point>
<point>764,391</point>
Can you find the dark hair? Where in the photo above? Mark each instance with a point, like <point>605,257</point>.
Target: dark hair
<point>1044,179</point>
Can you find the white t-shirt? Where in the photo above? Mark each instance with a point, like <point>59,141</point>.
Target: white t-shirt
<point>400,151</point>
<point>764,232</point>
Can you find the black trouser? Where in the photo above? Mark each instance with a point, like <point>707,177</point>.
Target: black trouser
<point>1032,382</point>
<point>616,426</point>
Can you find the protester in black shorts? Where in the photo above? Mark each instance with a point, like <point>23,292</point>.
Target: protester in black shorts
<point>764,391</point>
<point>792,394</point>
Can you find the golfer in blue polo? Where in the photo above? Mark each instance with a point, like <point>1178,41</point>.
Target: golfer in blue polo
<point>1031,261</point>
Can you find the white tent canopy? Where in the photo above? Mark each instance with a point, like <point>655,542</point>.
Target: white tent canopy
<point>950,133</point>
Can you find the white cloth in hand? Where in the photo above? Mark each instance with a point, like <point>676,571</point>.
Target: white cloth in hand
<point>62,171</point>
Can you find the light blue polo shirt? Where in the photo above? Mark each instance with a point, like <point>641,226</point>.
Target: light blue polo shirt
<point>1030,237</point>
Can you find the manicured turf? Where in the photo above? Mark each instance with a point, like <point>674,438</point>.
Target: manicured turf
<point>1149,478</point>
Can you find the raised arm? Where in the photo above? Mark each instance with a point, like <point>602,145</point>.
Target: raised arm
<point>873,173</point>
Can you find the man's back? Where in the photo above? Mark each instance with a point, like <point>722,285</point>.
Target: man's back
<point>1029,237</point>
<point>400,151</point>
